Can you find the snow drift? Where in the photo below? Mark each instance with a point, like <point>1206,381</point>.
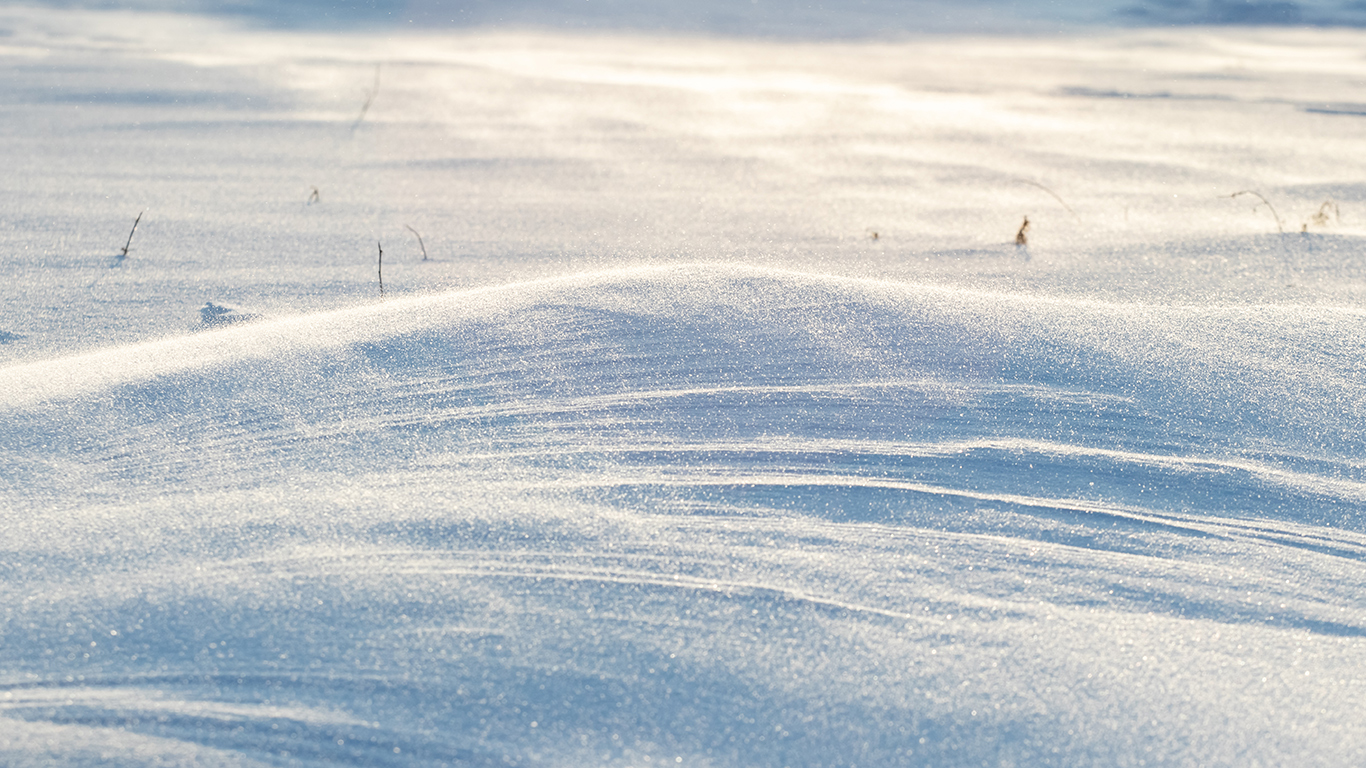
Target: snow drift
<point>700,515</point>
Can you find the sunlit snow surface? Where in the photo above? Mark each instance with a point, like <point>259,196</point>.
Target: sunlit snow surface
<point>662,458</point>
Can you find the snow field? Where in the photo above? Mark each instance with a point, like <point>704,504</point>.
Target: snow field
<point>752,503</point>
<point>663,459</point>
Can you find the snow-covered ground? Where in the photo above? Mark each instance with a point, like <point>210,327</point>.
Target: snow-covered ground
<point>723,422</point>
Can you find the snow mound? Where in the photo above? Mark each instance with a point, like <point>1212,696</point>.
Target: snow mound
<point>700,514</point>
<point>701,358</point>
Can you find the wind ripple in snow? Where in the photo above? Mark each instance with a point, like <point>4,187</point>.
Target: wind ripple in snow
<point>705,514</point>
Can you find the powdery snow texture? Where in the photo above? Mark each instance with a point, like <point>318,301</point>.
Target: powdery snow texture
<point>663,459</point>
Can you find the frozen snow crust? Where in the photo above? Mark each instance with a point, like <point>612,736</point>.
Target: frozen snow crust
<point>719,514</point>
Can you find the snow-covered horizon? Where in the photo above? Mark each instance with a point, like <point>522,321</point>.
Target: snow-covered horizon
<point>710,413</point>
<point>801,19</point>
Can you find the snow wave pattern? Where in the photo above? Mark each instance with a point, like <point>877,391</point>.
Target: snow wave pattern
<point>700,515</point>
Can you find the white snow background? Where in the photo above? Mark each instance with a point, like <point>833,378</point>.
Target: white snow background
<point>723,424</point>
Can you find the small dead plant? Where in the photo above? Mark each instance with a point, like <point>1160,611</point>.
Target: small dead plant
<point>381,268</point>
<point>1052,194</point>
<point>369,99</point>
<point>419,241</point>
<point>1280,227</point>
<point>123,254</point>
<point>1320,217</point>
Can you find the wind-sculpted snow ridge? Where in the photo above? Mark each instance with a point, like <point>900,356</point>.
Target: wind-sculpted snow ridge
<point>698,515</point>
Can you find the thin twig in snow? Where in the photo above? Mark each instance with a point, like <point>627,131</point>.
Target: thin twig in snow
<point>1055,196</point>
<point>1258,195</point>
<point>369,99</point>
<point>124,253</point>
<point>419,241</point>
